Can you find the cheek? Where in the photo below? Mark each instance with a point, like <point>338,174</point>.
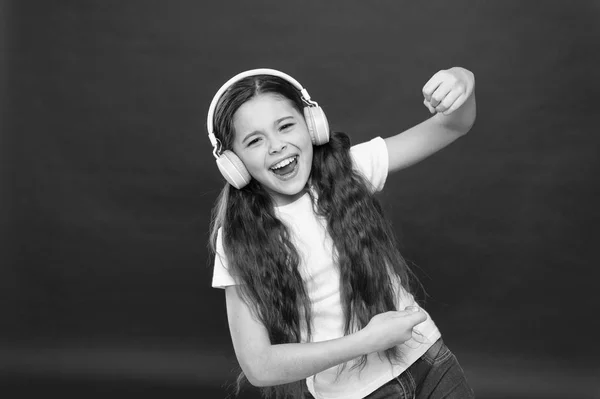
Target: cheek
<point>309,156</point>
<point>249,161</point>
<point>254,165</point>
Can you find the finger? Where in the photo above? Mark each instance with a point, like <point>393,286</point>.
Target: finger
<point>413,317</point>
<point>429,107</point>
<point>448,100</point>
<point>419,337</point>
<point>416,318</point>
<point>431,85</point>
<point>407,311</point>
<point>459,101</point>
<point>403,314</point>
<point>440,93</point>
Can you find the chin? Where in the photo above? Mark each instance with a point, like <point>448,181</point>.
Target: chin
<point>288,192</point>
<point>290,189</point>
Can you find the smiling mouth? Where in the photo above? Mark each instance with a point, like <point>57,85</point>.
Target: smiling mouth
<point>286,166</point>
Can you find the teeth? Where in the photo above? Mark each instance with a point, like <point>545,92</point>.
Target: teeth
<point>283,163</point>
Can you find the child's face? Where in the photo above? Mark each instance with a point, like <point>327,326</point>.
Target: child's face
<point>272,140</point>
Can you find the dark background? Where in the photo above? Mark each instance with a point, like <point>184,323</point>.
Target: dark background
<point>107,181</point>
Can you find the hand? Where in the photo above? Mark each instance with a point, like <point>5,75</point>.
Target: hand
<point>389,329</point>
<point>448,89</point>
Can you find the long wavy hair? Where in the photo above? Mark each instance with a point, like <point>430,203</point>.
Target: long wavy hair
<point>260,251</point>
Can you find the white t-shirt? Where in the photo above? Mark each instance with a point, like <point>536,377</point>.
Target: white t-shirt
<point>321,277</point>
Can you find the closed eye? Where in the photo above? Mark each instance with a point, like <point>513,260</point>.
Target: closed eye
<point>286,126</point>
<point>253,141</point>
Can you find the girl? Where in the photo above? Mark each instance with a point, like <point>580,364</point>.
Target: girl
<point>318,296</point>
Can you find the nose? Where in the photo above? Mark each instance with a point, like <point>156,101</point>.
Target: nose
<point>276,146</point>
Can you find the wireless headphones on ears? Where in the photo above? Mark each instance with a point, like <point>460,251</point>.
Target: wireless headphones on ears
<point>230,165</point>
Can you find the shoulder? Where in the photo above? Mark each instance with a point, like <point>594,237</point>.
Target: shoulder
<point>371,160</point>
<point>222,276</point>
<point>376,144</point>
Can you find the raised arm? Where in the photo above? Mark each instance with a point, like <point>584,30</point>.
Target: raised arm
<point>265,364</point>
<point>450,95</point>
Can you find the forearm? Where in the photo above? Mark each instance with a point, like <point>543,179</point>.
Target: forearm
<point>431,135</point>
<point>461,120</point>
<point>286,363</point>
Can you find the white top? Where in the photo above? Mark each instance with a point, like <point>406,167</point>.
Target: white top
<point>321,276</point>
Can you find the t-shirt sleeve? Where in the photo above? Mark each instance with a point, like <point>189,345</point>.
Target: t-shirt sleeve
<point>221,276</point>
<point>371,160</point>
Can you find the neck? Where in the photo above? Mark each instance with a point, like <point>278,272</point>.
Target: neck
<point>282,200</point>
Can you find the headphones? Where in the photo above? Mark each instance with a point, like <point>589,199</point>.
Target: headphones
<point>230,165</point>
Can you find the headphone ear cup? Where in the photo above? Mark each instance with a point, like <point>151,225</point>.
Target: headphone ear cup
<point>233,170</point>
<point>318,127</point>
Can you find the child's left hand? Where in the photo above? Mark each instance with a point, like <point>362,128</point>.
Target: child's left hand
<point>448,89</point>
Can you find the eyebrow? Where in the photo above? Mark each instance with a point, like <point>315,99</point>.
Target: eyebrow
<point>246,137</point>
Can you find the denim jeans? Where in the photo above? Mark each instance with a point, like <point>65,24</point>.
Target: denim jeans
<point>436,374</point>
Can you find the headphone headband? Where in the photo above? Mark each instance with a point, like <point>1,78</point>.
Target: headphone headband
<point>240,76</point>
